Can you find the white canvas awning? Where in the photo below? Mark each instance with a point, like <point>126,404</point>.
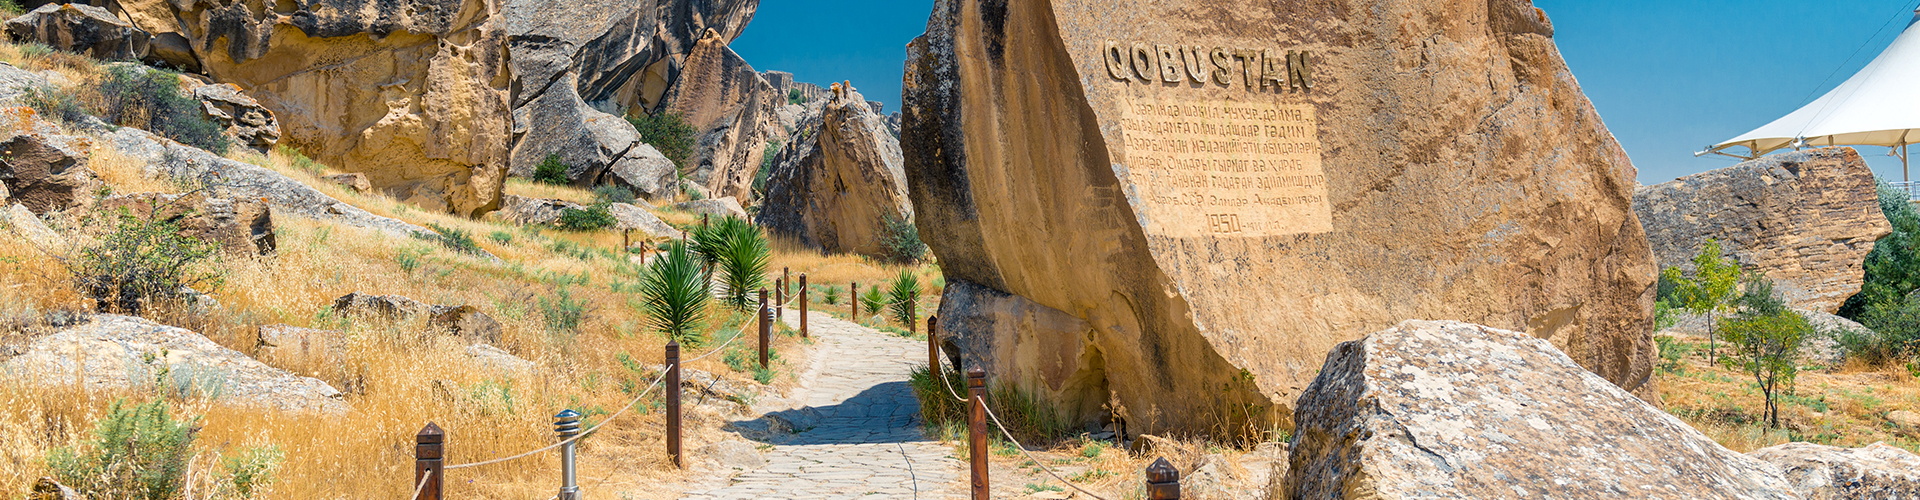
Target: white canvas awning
<point>1879,106</point>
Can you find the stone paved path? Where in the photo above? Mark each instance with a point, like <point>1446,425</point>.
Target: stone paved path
<point>867,429</point>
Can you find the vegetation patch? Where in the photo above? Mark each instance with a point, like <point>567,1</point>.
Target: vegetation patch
<point>667,132</point>
<point>150,99</point>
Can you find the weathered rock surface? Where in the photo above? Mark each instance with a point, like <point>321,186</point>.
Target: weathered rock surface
<point>1805,218</point>
<point>238,226</point>
<point>286,345</point>
<point>356,181</point>
<point>120,352</point>
<point>242,117</point>
<point>23,223</point>
<point>1442,409</point>
<point>80,28</point>
<point>47,173</point>
<point>533,211</point>
<point>391,307</point>
<point>48,489</point>
<point>732,110</point>
<point>639,219</point>
<point>647,172</point>
<point>14,83</point>
<point>717,207</point>
<point>839,179</point>
<point>497,360</point>
<point>1224,217</point>
<point>466,322</point>
<point>1820,472</point>
<point>412,93</point>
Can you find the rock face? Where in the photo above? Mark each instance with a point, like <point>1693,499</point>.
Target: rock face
<point>647,172</point>
<point>412,93</point>
<point>238,226</point>
<point>356,181</point>
<point>838,180</point>
<point>1805,218</point>
<point>716,208</point>
<point>391,307</point>
<point>636,218</point>
<point>1225,210</point>
<point>1453,410</point>
<point>1820,472</point>
<point>734,112</point>
<point>47,173</point>
<point>534,211</point>
<point>466,322</point>
<point>243,118</point>
<point>114,352</point>
<point>80,28</point>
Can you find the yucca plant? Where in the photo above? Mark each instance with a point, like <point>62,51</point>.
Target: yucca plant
<point>830,295</point>
<point>676,292</point>
<point>710,242</point>
<point>902,294</point>
<point>743,263</point>
<point>872,301</point>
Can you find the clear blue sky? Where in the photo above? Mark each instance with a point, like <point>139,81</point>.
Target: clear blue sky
<point>1668,76</point>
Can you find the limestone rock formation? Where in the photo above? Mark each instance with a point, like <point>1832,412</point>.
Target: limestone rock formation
<point>636,218</point>
<point>716,208</point>
<point>1224,192</point>
<point>238,226</point>
<point>533,211</point>
<point>1805,218</point>
<point>1820,472</point>
<point>1442,409</point>
<point>47,173</point>
<point>356,181</point>
<point>647,172</point>
<point>838,181</point>
<point>80,28</point>
<point>412,93</point>
<point>120,352</point>
<point>390,307</point>
<point>732,110</point>
<point>242,117</point>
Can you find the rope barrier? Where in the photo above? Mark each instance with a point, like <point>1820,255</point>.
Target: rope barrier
<point>1036,461</point>
<point>423,484</point>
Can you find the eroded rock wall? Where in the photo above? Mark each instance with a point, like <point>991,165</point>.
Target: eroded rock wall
<point>838,180</point>
<point>733,111</point>
<point>1807,219</point>
<point>1224,192</point>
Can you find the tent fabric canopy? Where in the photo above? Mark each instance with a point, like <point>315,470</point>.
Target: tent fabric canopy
<point>1879,106</point>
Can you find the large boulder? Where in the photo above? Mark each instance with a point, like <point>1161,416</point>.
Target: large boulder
<point>238,226</point>
<point>717,208</point>
<point>412,93</point>
<point>635,218</point>
<point>121,352</point>
<point>732,111</point>
<point>242,117</point>
<point>646,172</point>
<point>1807,219</point>
<point>1820,472</point>
<point>837,182</point>
<point>1442,409</point>
<point>1224,211</point>
<point>24,224</point>
<point>533,211</point>
<point>80,28</point>
<point>47,173</point>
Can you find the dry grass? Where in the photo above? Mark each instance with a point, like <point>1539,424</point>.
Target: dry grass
<point>1846,406</point>
<point>522,187</point>
<point>75,68</point>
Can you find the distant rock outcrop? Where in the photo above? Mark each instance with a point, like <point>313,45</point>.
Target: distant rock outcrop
<point>121,352</point>
<point>716,208</point>
<point>244,119</point>
<point>1821,472</point>
<point>239,226</point>
<point>80,28</point>
<point>1441,409</point>
<point>733,111</point>
<point>1807,219</point>
<point>838,181</point>
<point>533,211</point>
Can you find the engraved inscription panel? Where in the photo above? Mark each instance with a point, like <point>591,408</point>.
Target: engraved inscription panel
<point>1223,168</point>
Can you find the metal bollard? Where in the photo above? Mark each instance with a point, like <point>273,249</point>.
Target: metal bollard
<point>673,402</point>
<point>803,305</point>
<point>766,327</point>
<point>1163,481</point>
<point>933,346</point>
<point>428,449</point>
<point>912,316</point>
<point>566,424</point>
<point>977,431</point>
<point>703,221</point>
<point>780,299</point>
<point>853,298</point>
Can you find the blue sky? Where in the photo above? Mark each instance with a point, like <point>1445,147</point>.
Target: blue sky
<point>1668,76</point>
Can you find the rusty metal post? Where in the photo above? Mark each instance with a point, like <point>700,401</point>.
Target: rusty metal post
<point>913,317</point>
<point>428,449</point>
<point>703,221</point>
<point>780,299</point>
<point>766,326</point>
<point>803,305</point>
<point>1163,481</point>
<point>977,431</point>
<point>673,402</point>
<point>853,297</point>
<point>933,346</point>
<point>626,241</point>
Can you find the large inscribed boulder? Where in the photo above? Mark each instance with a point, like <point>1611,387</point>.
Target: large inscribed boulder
<point>1225,191</point>
<point>1807,219</point>
<point>839,181</point>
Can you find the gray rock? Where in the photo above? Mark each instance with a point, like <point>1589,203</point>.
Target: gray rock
<point>1824,347</point>
<point>47,173</point>
<point>533,211</point>
<point>14,83</point>
<point>23,223</point>
<point>466,322</point>
<point>717,207</point>
<point>636,218</point>
<point>499,361</point>
<point>244,119</point>
<point>1820,472</point>
<point>645,171</point>
<point>48,489</point>
<point>356,181</point>
<point>1806,219</point>
<point>838,180</point>
<point>1441,409</point>
<point>80,28</point>
<point>121,352</point>
<point>390,307</point>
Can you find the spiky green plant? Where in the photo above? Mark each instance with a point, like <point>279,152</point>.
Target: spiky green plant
<point>675,294</point>
<point>872,301</point>
<point>742,262</point>
<point>902,295</point>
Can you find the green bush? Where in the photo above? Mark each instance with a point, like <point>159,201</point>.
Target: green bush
<point>614,194</point>
<point>595,217</point>
<point>252,470</point>
<point>669,133</point>
<point>54,103</point>
<point>766,166</point>
<point>1893,268</point>
<point>903,296</point>
<point>454,239</point>
<point>562,312</point>
<point>795,97</point>
<point>901,239</point>
<point>831,295</point>
<point>675,294</point>
<point>741,254</point>
<point>501,237</point>
<point>11,8</point>
<point>1764,341</point>
<point>140,260</point>
<point>873,301</point>
<point>150,99</point>
<point>551,170</point>
<point>137,452</point>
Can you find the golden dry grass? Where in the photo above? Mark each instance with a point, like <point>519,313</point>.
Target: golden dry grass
<point>1846,406</point>
<point>395,381</point>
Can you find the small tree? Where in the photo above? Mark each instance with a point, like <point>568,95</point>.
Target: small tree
<point>1710,290</point>
<point>669,133</point>
<point>1765,341</point>
<point>903,293</point>
<point>676,293</point>
<point>551,170</point>
<point>742,261</point>
<point>137,452</point>
<point>141,259</point>
<point>795,97</point>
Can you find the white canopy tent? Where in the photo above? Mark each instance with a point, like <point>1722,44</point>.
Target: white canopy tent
<point>1879,106</point>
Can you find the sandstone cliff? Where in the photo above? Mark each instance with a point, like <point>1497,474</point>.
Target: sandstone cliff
<point>733,111</point>
<point>1221,193</point>
<point>837,180</point>
<point>1807,219</point>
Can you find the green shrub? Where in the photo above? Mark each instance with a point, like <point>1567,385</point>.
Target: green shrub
<point>741,255</point>
<point>551,170</point>
<point>54,103</point>
<point>139,260</point>
<point>454,239</point>
<point>1893,333</point>
<point>137,451</point>
<point>1028,418</point>
<point>903,295</point>
<point>1673,352</point>
<point>501,237</point>
<point>795,97</point>
<point>830,295</point>
<point>150,99</point>
<point>1764,341</point>
<point>562,312</point>
<point>252,470</point>
<point>873,301</point>
<point>675,295</point>
<point>766,166</point>
<point>595,217</point>
<point>901,239</point>
<point>1893,268</point>
<point>614,194</point>
<point>669,133</point>
<point>11,8</point>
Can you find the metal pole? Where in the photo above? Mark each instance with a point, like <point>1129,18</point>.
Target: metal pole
<point>1163,481</point>
<point>803,305</point>
<point>933,346</point>
<point>853,298</point>
<point>766,326</point>
<point>780,299</point>
<point>673,402</point>
<point>977,431</point>
<point>912,318</point>
<point>567,425</point>
<point>429,447</point>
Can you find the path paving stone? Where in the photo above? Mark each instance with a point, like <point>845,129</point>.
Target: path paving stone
<point>868,428</point>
